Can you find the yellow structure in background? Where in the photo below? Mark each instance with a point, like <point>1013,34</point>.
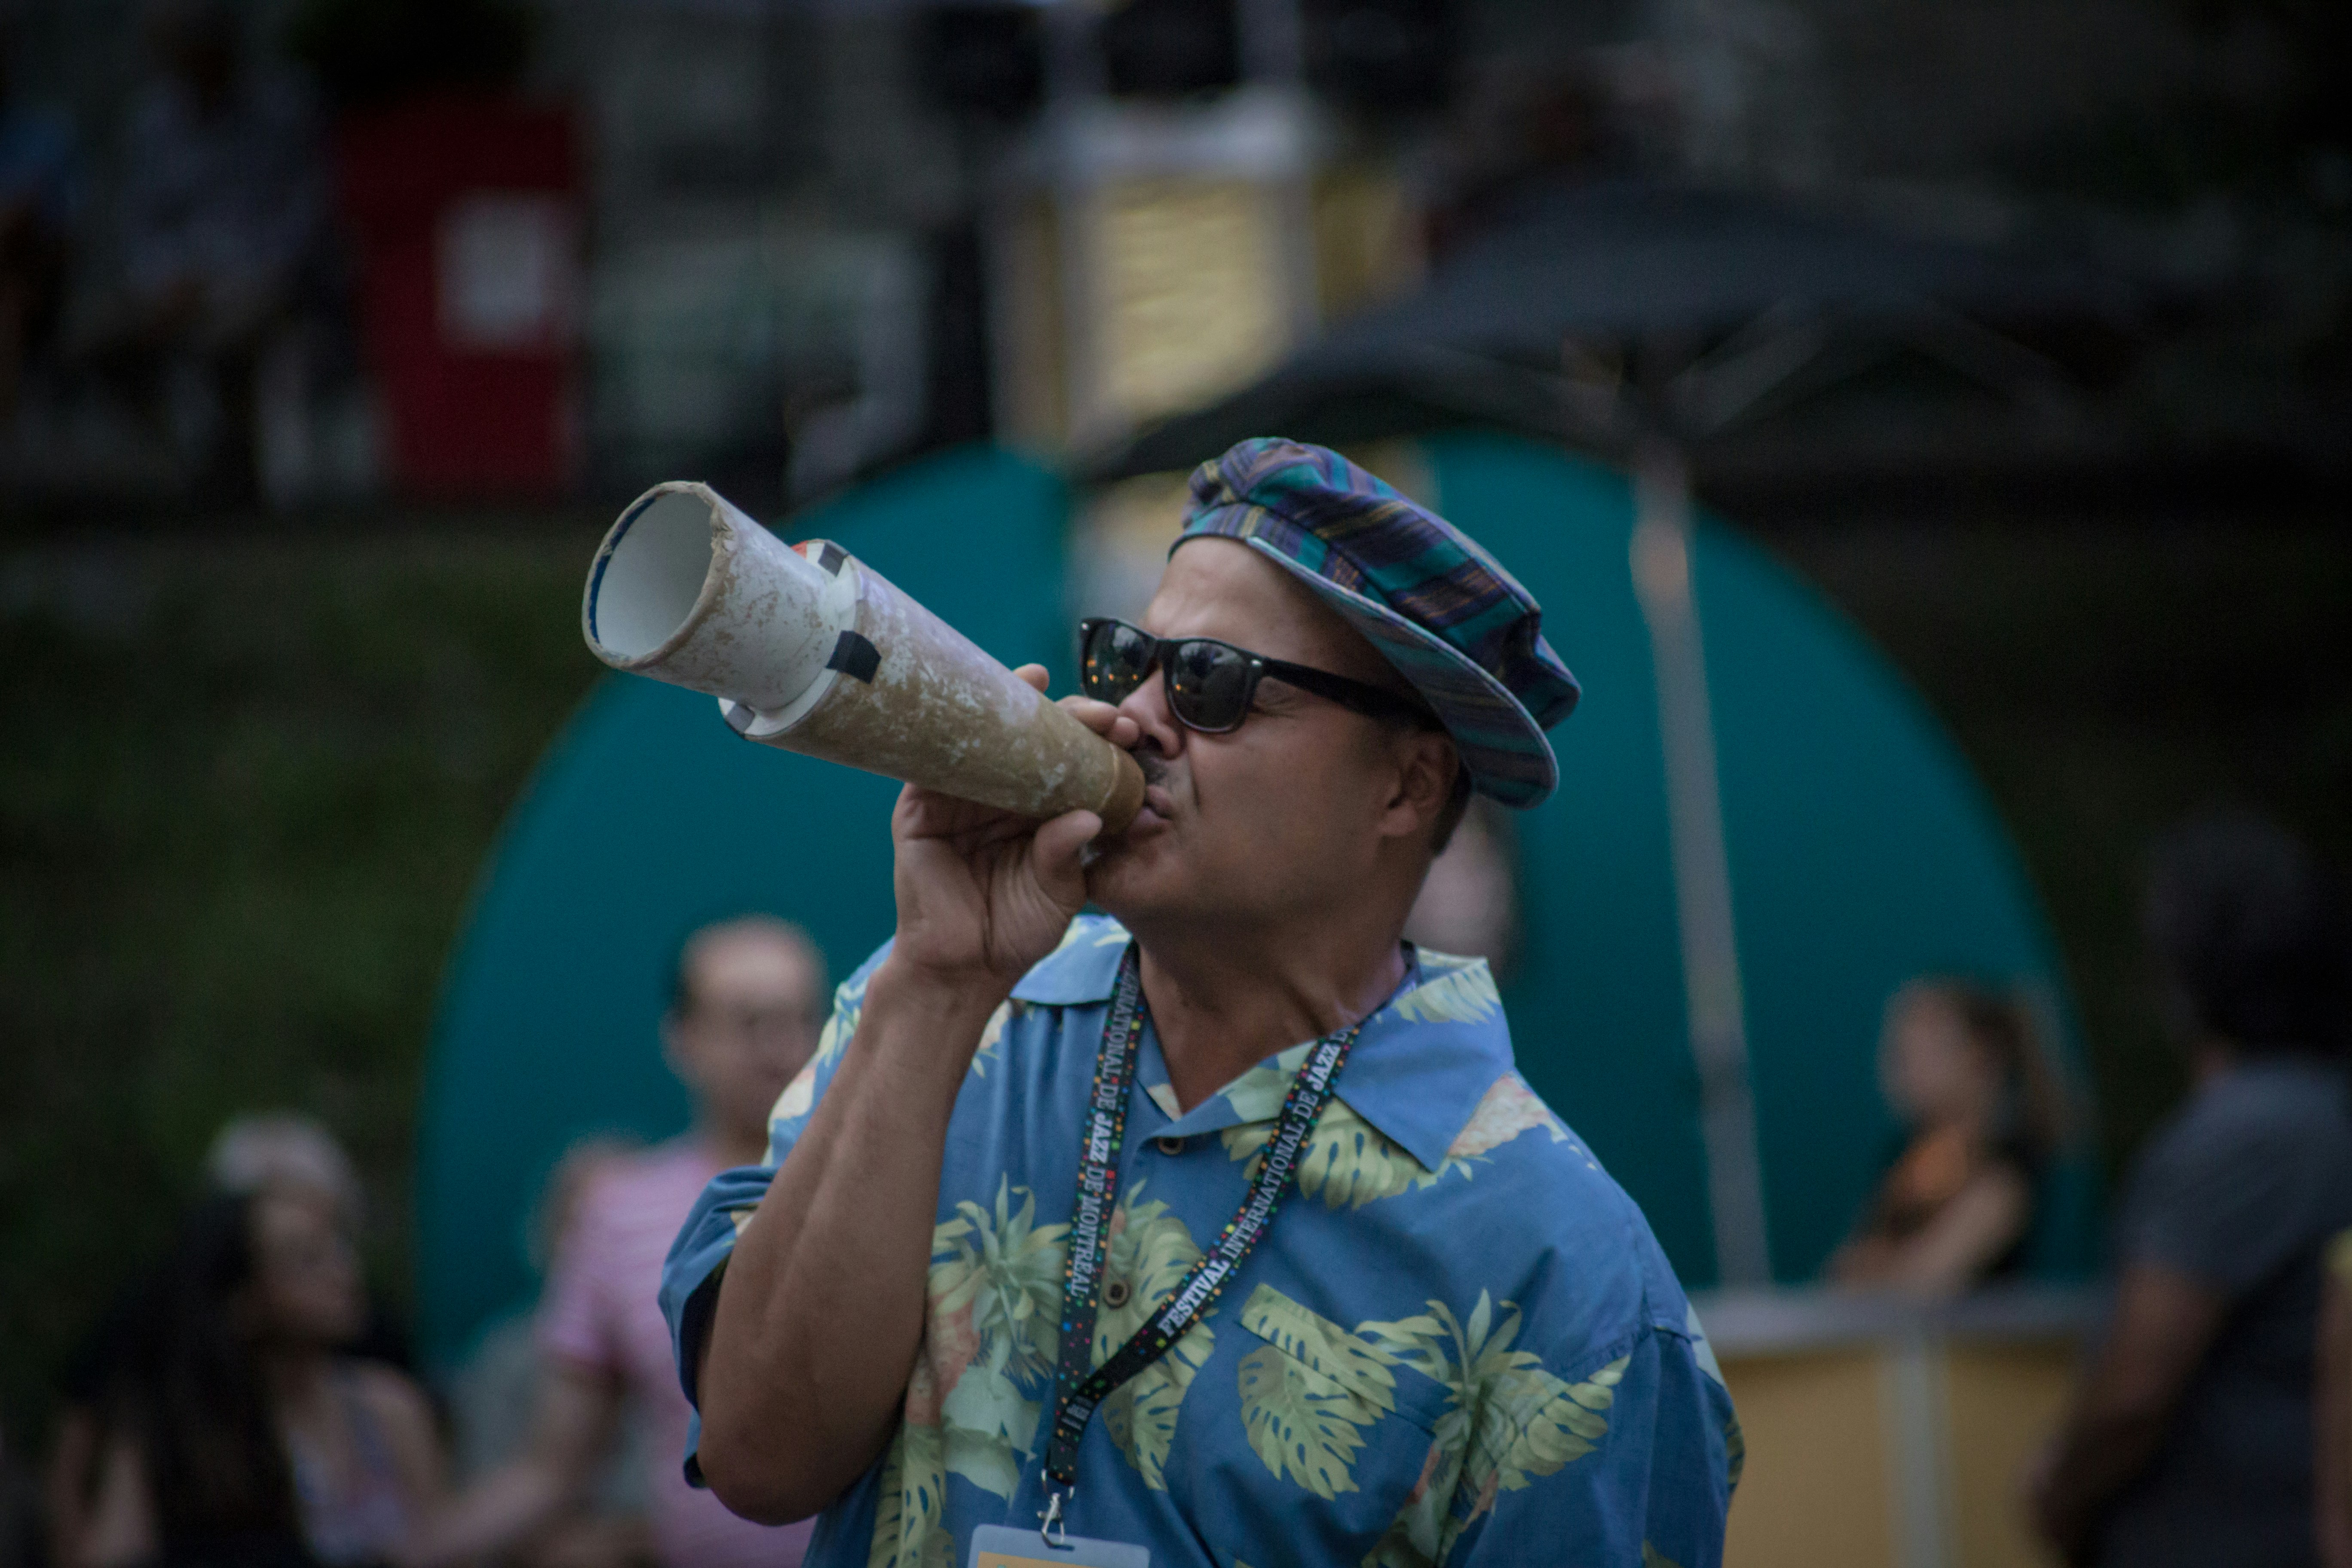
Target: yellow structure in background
<point>1886,1434</point>
<point>1189,297</point>
<point>1153,260</point>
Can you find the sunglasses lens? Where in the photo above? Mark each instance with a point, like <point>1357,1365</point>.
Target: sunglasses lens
<point>1210,685</point>
<point>1114,661</point>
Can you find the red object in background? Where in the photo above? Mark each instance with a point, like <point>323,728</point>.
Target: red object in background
<point>465,214</point>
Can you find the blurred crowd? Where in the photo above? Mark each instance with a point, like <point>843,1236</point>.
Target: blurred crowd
<point>248,1401</point>
<point>218,290</point>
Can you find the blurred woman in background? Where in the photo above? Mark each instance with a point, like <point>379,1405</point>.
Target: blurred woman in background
<point>1984,1114</point>
<point>235,1433</point>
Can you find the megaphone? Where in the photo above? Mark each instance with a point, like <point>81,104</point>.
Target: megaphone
<point>809,649</point>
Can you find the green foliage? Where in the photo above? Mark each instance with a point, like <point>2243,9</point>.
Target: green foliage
<point>244,794</point>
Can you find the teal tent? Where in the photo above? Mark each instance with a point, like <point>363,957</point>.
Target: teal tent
<point>1861,854</point>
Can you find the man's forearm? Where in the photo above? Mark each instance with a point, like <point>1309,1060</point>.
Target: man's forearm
<point>2097,1457</point>
<point>2163,1322</point>
<point>820,1315</point>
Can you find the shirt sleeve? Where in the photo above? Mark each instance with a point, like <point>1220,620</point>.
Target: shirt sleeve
<point>573,1320</point>
<point>1631,1460</point>
<point>698,1257</point>
<point>2222,1199</point>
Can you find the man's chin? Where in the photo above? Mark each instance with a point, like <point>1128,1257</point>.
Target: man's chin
<point>1135,871</point>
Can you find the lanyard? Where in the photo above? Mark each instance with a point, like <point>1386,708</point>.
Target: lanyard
<point>1078,1391</point>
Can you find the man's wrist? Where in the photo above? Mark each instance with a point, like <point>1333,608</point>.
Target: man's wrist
<point>939,1006</point>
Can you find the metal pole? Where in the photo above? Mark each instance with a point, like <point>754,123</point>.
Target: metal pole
<point>1274,60</point>
<point>1702,866</point>
<point>1076,83</point>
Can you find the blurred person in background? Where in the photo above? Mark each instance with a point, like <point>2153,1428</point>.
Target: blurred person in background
<point>1983,1115</point>
<point>748,999</point>
<point>2332,1409</point>
<point>495,1397</point>
<point>288,1149</point>
<point>235,1430</point>
<point>278,1149</point>
<point>224,229</point>
<point>1469,903</point>
<point>40,188</point>
<point>2189,1439</point>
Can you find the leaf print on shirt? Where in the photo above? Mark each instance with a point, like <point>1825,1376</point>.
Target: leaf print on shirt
<point>799,1096</point>
<point>1506,1109</point>
<point>995,1293</point>
<point>1309,1391</point>
<point>1508,1421</point>
<point>1464,994</point>
<point>1150,1253</point>
<point>1347,1161</point>
<point>910,1503</point>
<point>992,1036</point>
<point>1257,1095</point>
<point>1363,1366</point>
<point>848,1007</point>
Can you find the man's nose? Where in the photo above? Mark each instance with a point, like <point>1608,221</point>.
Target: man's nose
<point>1148,706</point>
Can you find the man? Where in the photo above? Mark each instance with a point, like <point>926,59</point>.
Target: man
<point>743,1020</point>
<point>1454,1338</point>
<point>2190,1440</point>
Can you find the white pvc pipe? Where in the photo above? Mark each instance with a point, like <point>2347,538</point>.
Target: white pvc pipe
<point>689,590</point>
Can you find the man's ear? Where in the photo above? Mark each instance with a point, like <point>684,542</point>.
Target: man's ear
<point>1425,764</point>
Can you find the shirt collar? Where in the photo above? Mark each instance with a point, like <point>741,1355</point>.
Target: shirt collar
<point>1083,968</point>
<point>1416,1072</point>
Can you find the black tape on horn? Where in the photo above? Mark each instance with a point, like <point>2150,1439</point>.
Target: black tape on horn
<point>855,657</point>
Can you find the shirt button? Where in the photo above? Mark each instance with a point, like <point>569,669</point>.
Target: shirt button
<point>1171,1146</point>
<point>1115,1294</point>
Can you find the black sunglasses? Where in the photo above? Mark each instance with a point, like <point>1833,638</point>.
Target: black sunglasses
<point>1211,684</point>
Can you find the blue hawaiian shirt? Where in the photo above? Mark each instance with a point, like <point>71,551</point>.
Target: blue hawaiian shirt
<point>1458,1344</point>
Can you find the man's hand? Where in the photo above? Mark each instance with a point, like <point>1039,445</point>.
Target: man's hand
<point>984,894</point>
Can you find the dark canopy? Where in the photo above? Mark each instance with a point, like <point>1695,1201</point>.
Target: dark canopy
<point>1606,267</point>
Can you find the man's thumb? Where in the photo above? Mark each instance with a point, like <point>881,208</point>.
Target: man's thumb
<point>1055,853</point>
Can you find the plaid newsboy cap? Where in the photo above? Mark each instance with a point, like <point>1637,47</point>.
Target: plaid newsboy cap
<point>1443,612</point>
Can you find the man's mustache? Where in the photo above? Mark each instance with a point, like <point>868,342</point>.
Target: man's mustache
<point>1147,757</point>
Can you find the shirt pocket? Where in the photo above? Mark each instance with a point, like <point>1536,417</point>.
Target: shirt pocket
<point>1334,1438</point>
